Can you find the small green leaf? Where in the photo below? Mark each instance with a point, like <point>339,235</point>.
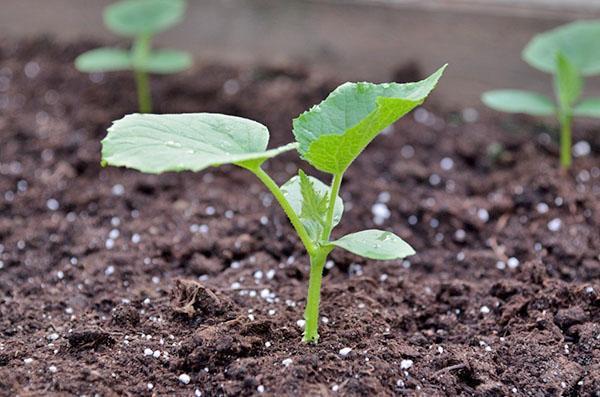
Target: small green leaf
<point>578,41</point>
<point>568,83</point>
<point>308,196</point>
<point>333,133</point>
<point>588,108</point>
<point>194,141</point>
<point>518,101</point>
<point>143,17</point>
<point>103,60</point>
<point>375,244</point>
<point>314,207</point>
<point>166,61</point>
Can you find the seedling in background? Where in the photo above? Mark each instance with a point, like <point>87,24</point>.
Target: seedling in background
<point>569,53</point>
<point>139,20</point>
<point>329,136</point>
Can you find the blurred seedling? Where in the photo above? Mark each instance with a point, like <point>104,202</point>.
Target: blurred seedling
<point>140,21</point>
<point>329,136</point>
<point>569,53</point>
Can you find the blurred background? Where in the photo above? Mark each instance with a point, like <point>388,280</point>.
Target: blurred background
<point>355,39</point>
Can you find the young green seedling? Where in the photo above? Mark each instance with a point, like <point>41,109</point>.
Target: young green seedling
<point>139,20</point>
<point>568,52</point>
<point>329,136</point>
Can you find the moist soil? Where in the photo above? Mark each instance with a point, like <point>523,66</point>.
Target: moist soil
<point>117,283</point>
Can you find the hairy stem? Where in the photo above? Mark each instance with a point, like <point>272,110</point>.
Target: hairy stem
<point>317,254</point>
<point>311,312</point>
<point>317,262</point>
<point>565,140</point>
<point>143,91</point>
<point>287,208</point>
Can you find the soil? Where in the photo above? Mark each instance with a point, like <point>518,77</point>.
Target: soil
<point>117,283</point>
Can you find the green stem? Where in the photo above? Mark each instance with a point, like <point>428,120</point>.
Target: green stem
<point>311,312</point>
<point>287,208</point>
<point>317,254</point>
<point>143,91</point>
<point>565,140</point>
<point>335,189</point>
<point>140,52</point>
<point>317,262</point>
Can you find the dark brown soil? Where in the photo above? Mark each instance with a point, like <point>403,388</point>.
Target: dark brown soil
<point>117,283</point>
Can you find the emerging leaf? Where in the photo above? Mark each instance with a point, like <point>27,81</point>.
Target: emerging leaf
<point>309,197</point>
<point>375,244</point>
<point>518,101</point>
<point>103,60</point>
<point>568,83</point>
<point>588,108</point>
<point>143,17</point>
<point>166,61</point>
<point>333,133</point>
<point>194,141</point>
<point>314,207</point>
<point>578,41</point>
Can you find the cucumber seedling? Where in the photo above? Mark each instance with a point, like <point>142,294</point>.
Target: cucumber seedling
<point>329,136</point>
<point>568,53</point>
<point>139,20</point>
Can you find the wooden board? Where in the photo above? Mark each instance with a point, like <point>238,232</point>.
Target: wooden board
<point>357,39</point>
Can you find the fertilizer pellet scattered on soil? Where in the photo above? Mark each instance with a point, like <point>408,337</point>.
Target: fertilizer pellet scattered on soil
<point>184,378</point>
<point>52,204</point>
<point>483,215</point>
<point>345,351</point>
<point>512,262</point>
<point>118,190</point>
<point>581,148</point>
<point>555,224</point>
<point>406,364</point>
<point>447,163</point>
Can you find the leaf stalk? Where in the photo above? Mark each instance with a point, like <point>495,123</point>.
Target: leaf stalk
<point>287,208</point>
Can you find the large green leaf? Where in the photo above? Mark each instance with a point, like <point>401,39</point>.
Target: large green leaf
<point>177,142</point>
<point>143,17</point>
<point>518,101</point>
<point>588,108</point>
<point>166,61</point>
<point>103,60</point>
<point>333,133</point>
<point>578,41</point>
<point>375,244</point>
<point>308,196</point>
<point>568,83</point>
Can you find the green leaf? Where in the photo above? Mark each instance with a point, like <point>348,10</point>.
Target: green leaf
<point>103,60</point>
<point>588,108</point>
<point>578,41</point>
<point>166,61</point>
<point>194,141</point>
<point>314,207</point>
<point>375,244</point>
<point>308,196</point>
<point>568,83</point>
<point>143,17</point>
<point>333,133</point>
<point>518,101</point>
